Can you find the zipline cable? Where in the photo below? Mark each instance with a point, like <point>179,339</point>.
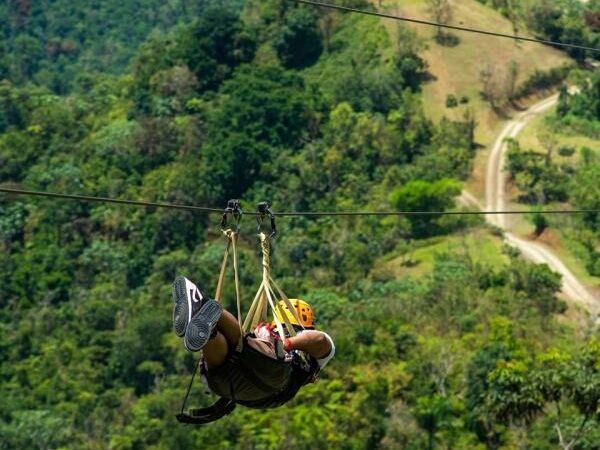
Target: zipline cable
<point>204,209</point>
<point>429,213</point>
<point>441,25</point>
<point>87,198</point>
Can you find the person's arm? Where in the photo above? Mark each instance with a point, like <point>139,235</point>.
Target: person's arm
<point>313,342</point>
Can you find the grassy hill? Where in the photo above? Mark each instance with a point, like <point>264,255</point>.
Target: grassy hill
<point>456,69</point>
<point>481,245</point>
<point>530,138</point>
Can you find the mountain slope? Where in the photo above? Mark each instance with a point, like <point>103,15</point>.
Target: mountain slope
<point>456,69</point>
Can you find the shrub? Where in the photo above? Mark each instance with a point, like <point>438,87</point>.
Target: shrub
<point>451,101</point>
<point>540,222</point>
<point>542,80</point>
<point>299,43</point>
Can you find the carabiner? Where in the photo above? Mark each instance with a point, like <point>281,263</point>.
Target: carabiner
<point>233,208</point>
<point>264,211</point>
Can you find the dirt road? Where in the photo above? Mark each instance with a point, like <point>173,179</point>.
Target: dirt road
<point>495,195</point>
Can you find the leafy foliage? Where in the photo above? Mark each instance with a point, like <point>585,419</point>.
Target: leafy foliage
<point>423,196</point>
<point>208,110</point>
<point>53,42</point>
<point>562,21</point>
<point>299,42</point>
<point>562,173</point>
<point>580,112</point>
<point>537,175</point>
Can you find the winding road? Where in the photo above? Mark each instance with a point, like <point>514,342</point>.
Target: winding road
<point>495,196</point>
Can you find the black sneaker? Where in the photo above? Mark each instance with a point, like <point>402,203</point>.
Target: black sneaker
<point>195,315</point>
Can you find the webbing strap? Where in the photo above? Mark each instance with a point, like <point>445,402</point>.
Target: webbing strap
<point>219,290</point>
<point>253,309</point>
<point>232,237</point>
<point>202,416</point>
<point>187,393</point>
<point>265,297</point>
<point>289,305</point>
<point>237,289</point>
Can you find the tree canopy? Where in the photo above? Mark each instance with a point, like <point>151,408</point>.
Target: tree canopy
<point>196,104</point>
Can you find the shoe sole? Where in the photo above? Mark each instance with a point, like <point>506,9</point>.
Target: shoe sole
<point>202,324</point>
<point>182,308</point>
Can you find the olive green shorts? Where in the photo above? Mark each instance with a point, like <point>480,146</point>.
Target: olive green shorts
<point>249,376</point>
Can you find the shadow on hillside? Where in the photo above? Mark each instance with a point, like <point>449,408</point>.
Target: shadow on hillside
<point>410,263</point>
<point>446,39</point>
<point>428,77</point>
<point>502,111</point>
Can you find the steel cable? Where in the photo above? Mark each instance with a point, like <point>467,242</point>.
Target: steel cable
<point>204,209</point>
<point>441,25</point>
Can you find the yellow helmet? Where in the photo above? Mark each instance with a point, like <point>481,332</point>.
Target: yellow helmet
<point>303,309</point>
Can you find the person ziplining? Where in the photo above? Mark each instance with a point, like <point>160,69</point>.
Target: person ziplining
<point>254,363</point>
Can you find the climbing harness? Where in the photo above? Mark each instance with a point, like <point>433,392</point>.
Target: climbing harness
<point>269,294</point>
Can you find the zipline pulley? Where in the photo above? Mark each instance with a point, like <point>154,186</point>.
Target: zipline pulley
<point>264,210</point>
<point>235,211</point>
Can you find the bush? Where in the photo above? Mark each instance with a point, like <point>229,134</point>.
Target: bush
<point>566,151</point>
<point>451,101</point>
<point>447,39</point>
<point>421,195</point>
<point>540,222</point>
<point>542,80</point>
<point>593,267</point>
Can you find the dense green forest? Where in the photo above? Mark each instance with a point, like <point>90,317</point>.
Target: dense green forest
<point>62,44</point>
<point>197,103</point>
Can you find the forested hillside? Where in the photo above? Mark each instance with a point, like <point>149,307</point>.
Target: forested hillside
<point>311,110</point>
<point>61,44</point>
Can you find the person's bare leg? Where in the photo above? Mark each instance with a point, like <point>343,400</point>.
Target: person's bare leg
<point>215,351</point>
<point>228,334</point>
<point>229,326</point>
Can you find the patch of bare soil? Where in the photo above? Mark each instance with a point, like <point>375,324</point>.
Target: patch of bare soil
<point>549,238</point>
